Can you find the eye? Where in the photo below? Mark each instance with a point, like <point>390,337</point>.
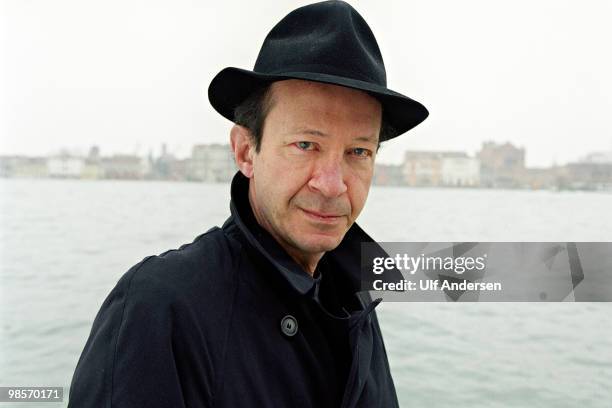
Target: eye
<point>305,145</point>
<point>361,152</point>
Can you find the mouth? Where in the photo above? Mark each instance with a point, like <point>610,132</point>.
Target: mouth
<point>322,217</point>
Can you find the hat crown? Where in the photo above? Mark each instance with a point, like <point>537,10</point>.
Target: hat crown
<point>330,38</point>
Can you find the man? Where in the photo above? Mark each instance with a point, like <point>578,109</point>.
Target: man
<point>266,310</point>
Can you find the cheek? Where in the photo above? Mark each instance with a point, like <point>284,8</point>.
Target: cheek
<point>279,184</point>
<point>279,166</point>
<point>359,188</point>
<point>291,180</point>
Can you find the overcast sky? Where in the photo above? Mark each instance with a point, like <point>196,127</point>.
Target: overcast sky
<point>129,75</point>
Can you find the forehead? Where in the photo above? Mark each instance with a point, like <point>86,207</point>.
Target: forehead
<point>298,100</point>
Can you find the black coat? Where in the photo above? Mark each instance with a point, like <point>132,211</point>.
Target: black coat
<point>200,326</point>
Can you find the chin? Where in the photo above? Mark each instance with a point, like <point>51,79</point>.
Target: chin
<point>317,243</point>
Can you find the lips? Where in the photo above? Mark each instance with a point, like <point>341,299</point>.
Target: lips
<point>322,217</point>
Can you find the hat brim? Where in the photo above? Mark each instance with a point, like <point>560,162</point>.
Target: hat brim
<point>232,86</point>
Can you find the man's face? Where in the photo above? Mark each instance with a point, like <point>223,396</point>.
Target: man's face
<point>312,174</point>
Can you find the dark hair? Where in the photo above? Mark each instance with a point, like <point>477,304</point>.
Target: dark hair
<point>252,112</point>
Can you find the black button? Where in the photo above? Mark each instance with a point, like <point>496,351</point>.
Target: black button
<point>289,326</point>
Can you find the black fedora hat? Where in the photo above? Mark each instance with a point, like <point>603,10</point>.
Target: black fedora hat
<point>326,42</point>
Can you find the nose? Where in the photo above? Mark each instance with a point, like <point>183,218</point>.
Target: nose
<point>328,177</point>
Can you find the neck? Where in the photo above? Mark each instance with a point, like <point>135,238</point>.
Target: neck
<point>308,262</point>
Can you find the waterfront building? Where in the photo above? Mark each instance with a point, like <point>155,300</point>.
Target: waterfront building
<point>501,165</point>
<point>212,163</point>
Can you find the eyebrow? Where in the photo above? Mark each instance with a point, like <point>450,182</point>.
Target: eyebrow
<point>315,132</point>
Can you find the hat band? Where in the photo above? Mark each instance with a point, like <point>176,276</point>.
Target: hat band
<point>324,69</point>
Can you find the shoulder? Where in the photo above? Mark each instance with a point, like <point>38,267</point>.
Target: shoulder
<point>165,312</point>
<point>204,268</point>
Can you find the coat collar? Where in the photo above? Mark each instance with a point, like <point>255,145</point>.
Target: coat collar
<point>344,259</point>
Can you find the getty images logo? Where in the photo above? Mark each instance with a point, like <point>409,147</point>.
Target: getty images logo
<point>411,264</point>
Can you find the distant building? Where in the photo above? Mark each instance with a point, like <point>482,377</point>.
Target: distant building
<point>388,175</point>
<point>460,171</point>
<point>6,166</point>
<point>179,169</point>
<point>65,166</point>
<point>501,165</point>
<point>20,166</point>
<point>123,166</point>
<point>587,176</point>
<point>543,178</point>
<point>598,158</point>
<point>212,163</point>
<point>92,168</point>
<point>163,167</point>
<point>94,154</point>
<point>423,168</point>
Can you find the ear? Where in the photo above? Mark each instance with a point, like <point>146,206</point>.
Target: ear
<point>243,148</point>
